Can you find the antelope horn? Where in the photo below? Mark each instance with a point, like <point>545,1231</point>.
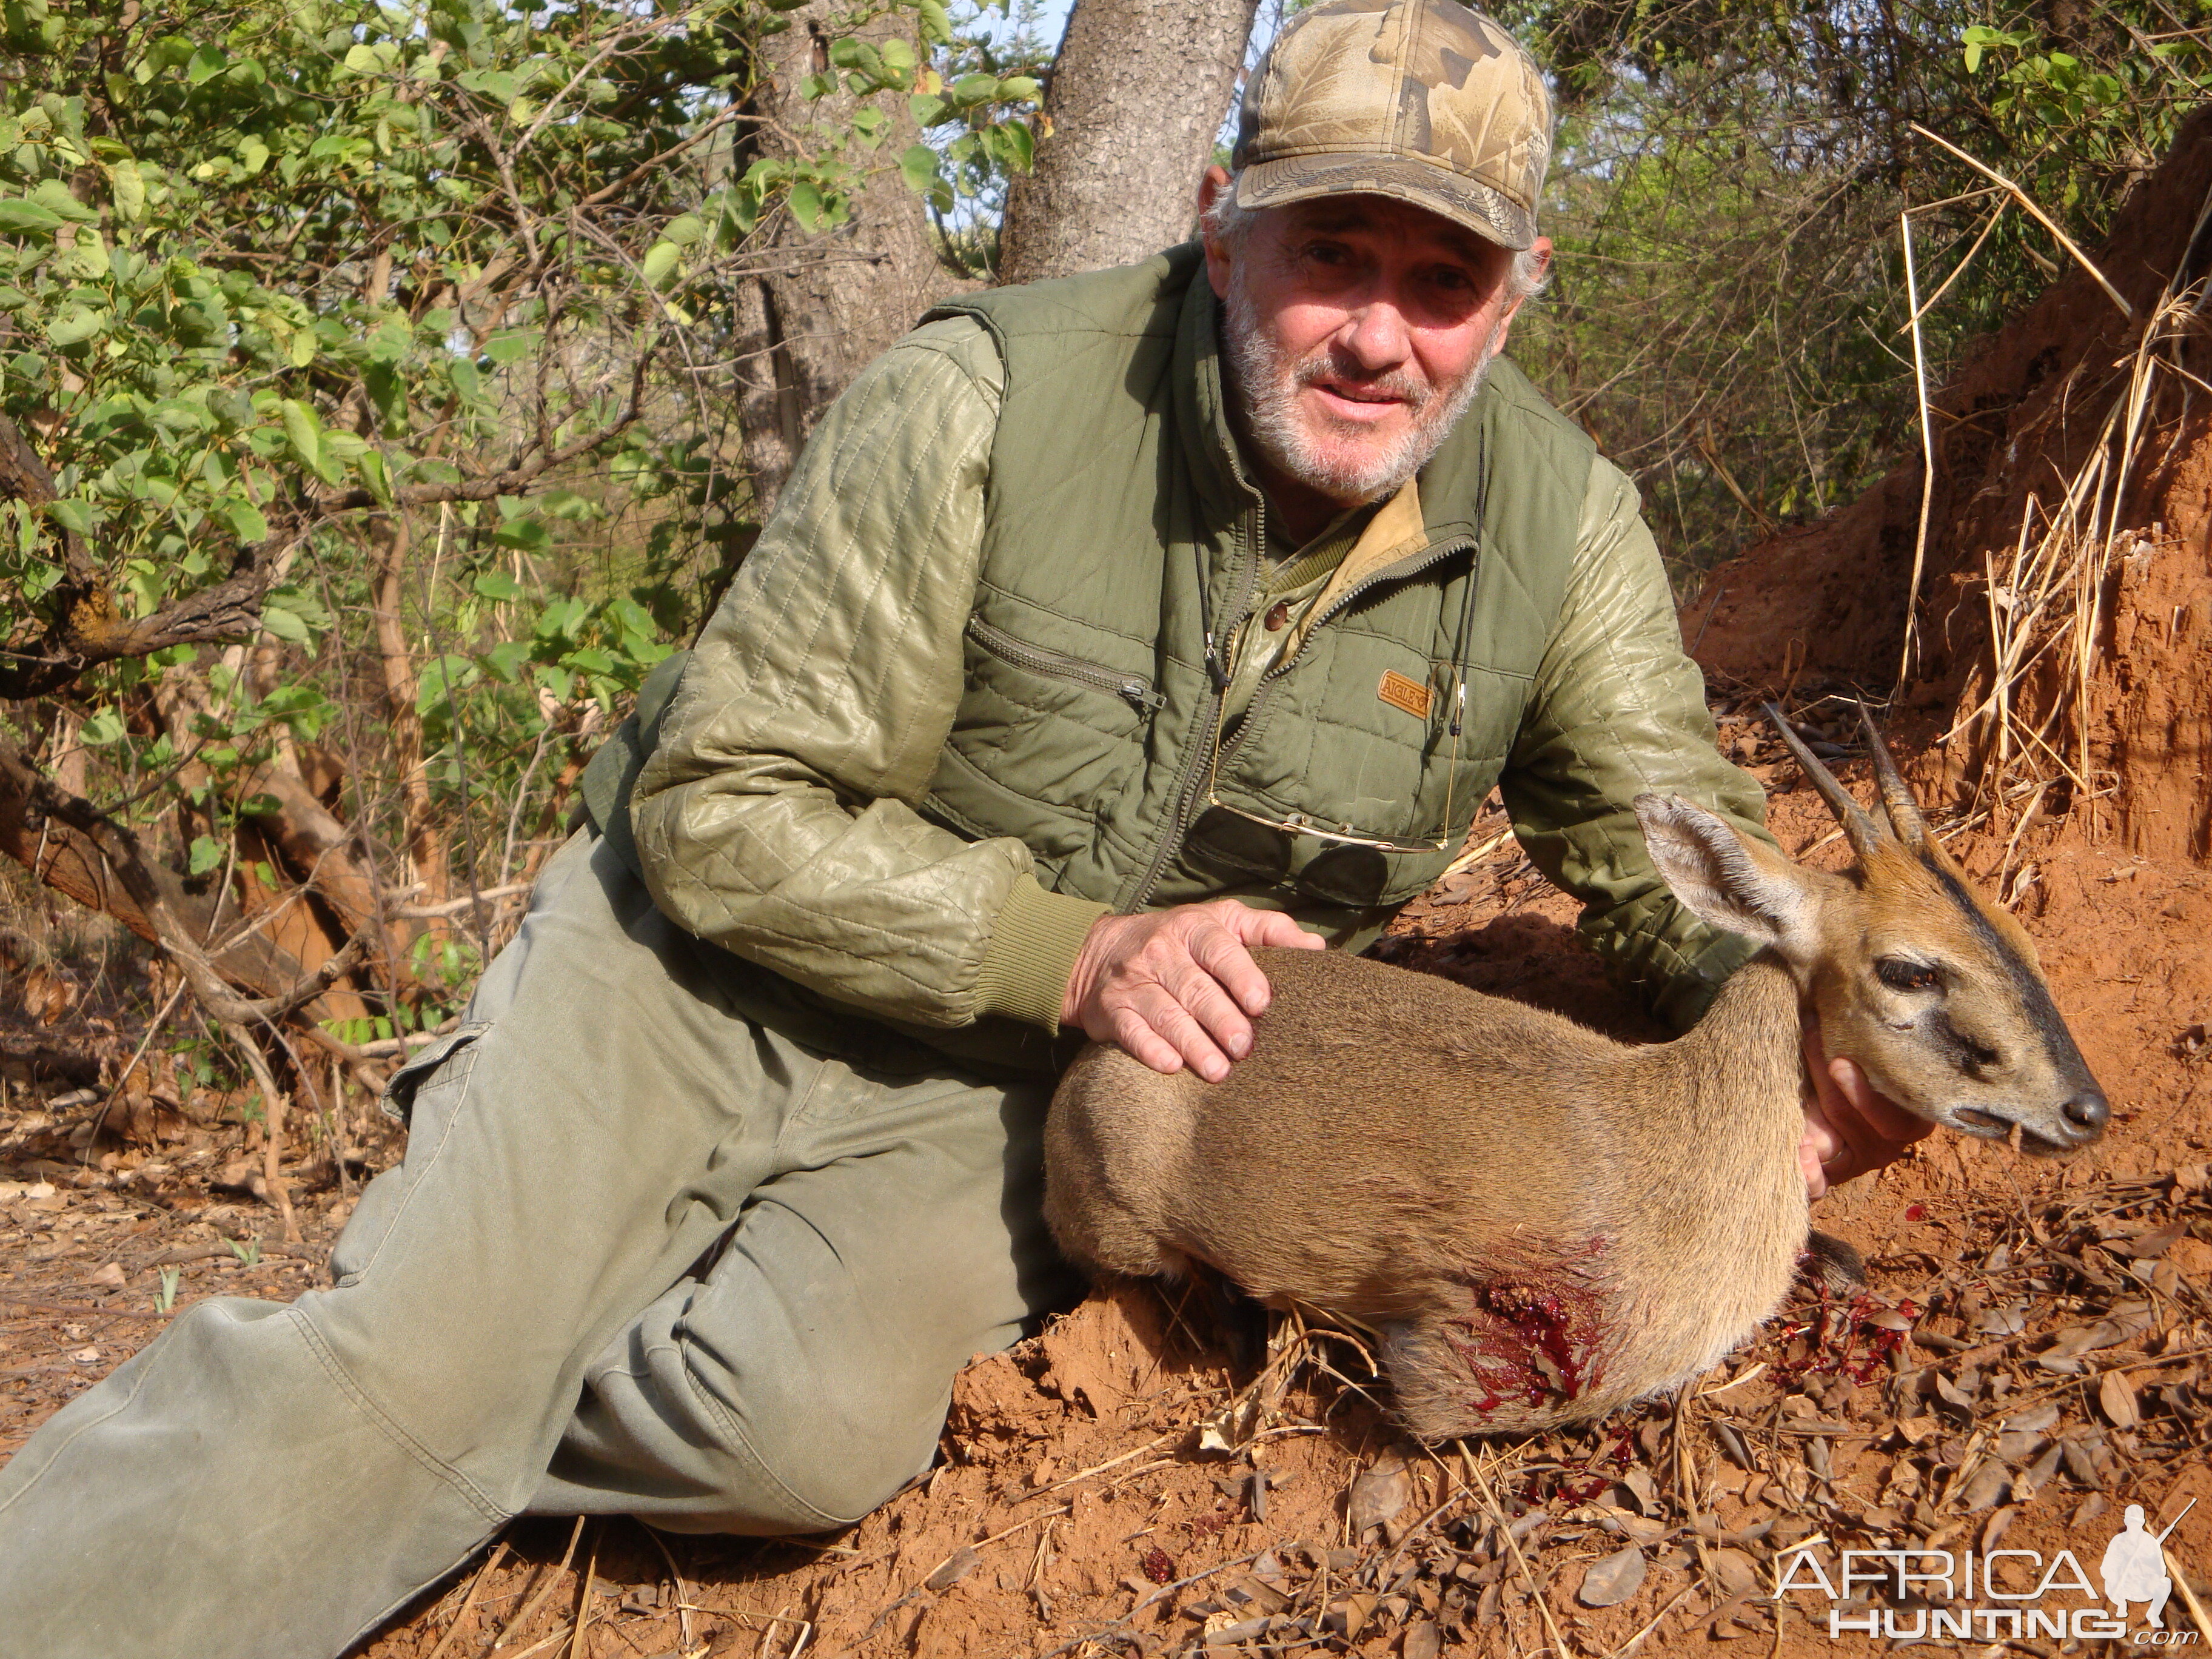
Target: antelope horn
<point>1896,794</point>
<point>1858,828</point>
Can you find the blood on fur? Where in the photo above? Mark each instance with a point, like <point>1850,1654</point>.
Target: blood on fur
<point>1532,1336</point>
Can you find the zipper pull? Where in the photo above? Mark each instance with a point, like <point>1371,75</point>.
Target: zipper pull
<point>1141,696</point>
<point>1213,669</point>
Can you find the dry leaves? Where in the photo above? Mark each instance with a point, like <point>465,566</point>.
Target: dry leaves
<point>1380,1496</point>
<point>1613,1579</point>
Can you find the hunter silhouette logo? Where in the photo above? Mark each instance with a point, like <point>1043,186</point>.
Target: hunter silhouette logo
<point>1997,1594</point>
<point>2133,1567</point>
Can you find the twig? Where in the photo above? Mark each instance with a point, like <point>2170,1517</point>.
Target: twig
<point>683,1596</point>
<point>2188,1595</point>
<point>538,1599</point>
<point>543,1642</point>
<point>1101,1468</point>
<point>1636,1640</point>
<point>475,1587</point>
<point>1536,1589</point>
<point>29,1306</point>
<point>2040,217</point>
<point>1927,459</point>
<point>455,907</point>
<point>272,1126</point>
<point>1165,1589</point>
<point>584,1602</point>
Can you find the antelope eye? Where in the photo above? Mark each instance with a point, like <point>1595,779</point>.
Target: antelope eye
<point>1900,974</point>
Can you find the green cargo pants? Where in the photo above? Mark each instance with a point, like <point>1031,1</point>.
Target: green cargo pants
<point>643,1257</point>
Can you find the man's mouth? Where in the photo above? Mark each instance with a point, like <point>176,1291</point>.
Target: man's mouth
<point>1352,402</point>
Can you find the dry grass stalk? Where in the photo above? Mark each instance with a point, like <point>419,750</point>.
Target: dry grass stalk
<point>1927,446</point>
<point>2035,212</point>
<point>2046,596</point>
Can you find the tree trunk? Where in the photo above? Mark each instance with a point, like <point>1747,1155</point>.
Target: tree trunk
<point>804,332</point>
<point>1137,93</point>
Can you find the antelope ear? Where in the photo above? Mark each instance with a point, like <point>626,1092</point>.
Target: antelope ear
<point>1739,885</point>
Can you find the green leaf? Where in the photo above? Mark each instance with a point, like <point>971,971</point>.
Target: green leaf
<point>806,204</point>
<point>511,345</point>
<point>304,433</point>
<point>128,187</point>
<point>927,110</point>
<point>245,521</point>
<point>55,194</point>
<point>684,230</point>
<point>363,60</point>
<point>529,534</point>
<point>73,515</point>
<point>207,62</point>
<point>284,625</point>
<point>971,89</point>
<point>101,728</point>
<point>20,215</point>
<point>1019,89</point>
<point>936,21</point>
<point>74,323</point>
<point>1015,146</point>
<point>498,585</point>
<point>206,854</point>
<point>918,167</point>
<point>374,473</point>
<point>659,260</point>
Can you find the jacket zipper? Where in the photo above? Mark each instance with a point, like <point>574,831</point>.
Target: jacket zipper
<point>1132,688</point>
<point>1188,786</point>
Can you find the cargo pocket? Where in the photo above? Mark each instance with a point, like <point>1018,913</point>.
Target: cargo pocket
<point>423,1095</point>
<point>398,1102</point>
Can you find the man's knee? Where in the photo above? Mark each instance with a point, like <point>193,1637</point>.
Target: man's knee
<point>792,1470</point>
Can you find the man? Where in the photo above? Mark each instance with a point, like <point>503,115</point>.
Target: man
<point>1108,629</point>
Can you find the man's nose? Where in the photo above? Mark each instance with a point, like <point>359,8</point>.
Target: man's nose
<point>1376,334</point>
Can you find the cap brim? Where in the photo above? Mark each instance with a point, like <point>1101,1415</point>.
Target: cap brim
<point>1489,214</point>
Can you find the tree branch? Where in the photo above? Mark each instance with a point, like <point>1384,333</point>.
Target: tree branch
<point>119,852</point>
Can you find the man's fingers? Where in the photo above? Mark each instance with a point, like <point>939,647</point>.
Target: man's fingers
<point>1274,928</point>
<point>1810,1165</point>
<point>1891,1121</point>
<point>1222,956</point>
<point>1201,993</point>
<point>1180,1027</point>
<point>1131,1032</point>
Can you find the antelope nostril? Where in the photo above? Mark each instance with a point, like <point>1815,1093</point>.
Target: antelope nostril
<point>2087,1111</point>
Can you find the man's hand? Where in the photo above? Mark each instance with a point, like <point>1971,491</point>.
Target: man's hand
<point>1178,988</point>
<point>1848,1128</point>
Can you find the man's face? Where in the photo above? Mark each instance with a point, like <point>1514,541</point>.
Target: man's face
<point>1357,329</point>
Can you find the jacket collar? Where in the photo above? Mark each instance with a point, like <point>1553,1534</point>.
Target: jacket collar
<point>1201,394</point>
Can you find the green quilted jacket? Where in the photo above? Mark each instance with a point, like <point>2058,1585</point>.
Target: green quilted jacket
<point>955,707</point>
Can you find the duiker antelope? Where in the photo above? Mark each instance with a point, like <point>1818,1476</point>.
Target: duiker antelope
<point>1545,1225</point>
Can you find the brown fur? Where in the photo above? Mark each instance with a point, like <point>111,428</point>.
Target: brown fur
<point>1544,1223</point>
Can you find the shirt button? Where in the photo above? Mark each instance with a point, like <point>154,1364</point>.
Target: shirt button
<point>1279,614</point>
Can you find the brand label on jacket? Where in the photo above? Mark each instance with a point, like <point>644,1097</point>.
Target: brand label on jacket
<point>1401,693</point>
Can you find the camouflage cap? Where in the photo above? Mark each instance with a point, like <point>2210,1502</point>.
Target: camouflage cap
<point>1430,102</point>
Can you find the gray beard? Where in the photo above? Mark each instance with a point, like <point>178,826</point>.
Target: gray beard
<point>1266,381</point>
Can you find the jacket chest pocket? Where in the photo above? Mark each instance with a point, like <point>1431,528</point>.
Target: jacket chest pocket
<point>1044,740</point>
<point>1359,793</point>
